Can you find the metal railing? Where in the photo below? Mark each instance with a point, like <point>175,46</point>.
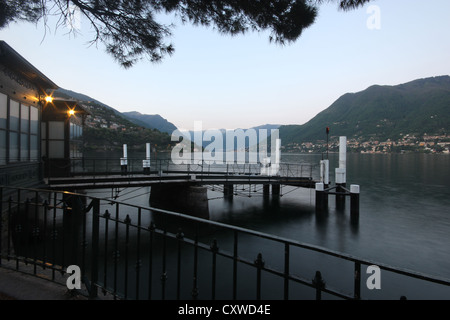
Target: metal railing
<point>109,166</point>
<point>135,252</point>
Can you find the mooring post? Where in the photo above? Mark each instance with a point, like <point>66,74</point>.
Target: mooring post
<point>321,197</point>
<point>124,160</point>
<point>354,200</point>
<point>325,172</point>
<point>319,284</point>
<point>341,172</point>
<point>266,190</point>
<point>146,162</point>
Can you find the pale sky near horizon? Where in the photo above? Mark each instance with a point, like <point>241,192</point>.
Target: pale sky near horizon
<point>245,81</point>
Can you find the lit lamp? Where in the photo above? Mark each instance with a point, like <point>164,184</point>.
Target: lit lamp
<point>43,100</point>
<point>71,112</point>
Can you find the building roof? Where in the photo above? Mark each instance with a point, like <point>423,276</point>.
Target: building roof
<point>19,64</point>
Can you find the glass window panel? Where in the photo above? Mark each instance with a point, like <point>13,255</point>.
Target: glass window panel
<point>72,130</point>
<point>56,129</point>
<point>34,120</point>
<point>56,149</point>
<point>13,115</point>
<point>13,146</point>
<point>24,147</point>
<point>2,147</point>
<point>43,130</point>
<point>44,148</point>
<point>34,148</point>
<point>24,118</point>
<point>3,110</point>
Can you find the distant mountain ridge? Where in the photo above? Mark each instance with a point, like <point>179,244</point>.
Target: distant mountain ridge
<point>383,112</point>
<point>144,120</point>
<point>238,145</point>
<point>151,121</point>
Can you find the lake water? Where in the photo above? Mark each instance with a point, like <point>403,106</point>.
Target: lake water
<point>404,214</point>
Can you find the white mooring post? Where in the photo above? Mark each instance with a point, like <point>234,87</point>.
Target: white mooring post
<point>124,160</point>
<point>321,197</point>
<point>146,162</point>
<point>341,172</point>
<point>325,172</point>
<point>354,200</point>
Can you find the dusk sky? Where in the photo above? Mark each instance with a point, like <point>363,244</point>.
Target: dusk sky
<point>245,81</point>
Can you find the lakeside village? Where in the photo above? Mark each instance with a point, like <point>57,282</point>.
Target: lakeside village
<point>406,144</point>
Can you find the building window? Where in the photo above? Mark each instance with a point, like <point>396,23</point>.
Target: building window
<point>13,146</point>
<point>56,139</point>
<point>19,128</point>
<point>2,147</point>
<point>24,133</point>
<point>3,127</point>
<point>34,131</point>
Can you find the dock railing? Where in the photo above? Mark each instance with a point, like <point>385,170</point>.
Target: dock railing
<point>110,166</point>
<point>127,251</point>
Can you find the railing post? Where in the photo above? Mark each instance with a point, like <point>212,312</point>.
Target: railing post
<point>235,260</point>
<point>319,284</point>
<point>214,249</point>
<point>286,271</point>
<point>95,248</point>
<point>127,222</point>
<point>357,289</point>
<point>151,230</point>
<point>259,263</point>
<point>1,224</point>
<point>194,291</point>
<point>180,237</point>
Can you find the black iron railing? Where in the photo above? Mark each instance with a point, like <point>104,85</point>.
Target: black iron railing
<point>135,252</point>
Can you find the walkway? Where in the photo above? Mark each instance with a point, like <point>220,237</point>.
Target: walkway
<point>21,285</point>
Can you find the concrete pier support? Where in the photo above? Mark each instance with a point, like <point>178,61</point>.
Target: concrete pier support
<point>228,191</point>
<point>191,200</point>
<point>266,190</point>
<point>340,196</point>
<point>276,189</point>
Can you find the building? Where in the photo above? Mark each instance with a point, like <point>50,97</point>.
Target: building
<point>36,131</point>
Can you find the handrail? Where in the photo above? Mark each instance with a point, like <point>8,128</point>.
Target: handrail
<point>16,202</point>
<point>101,166</point>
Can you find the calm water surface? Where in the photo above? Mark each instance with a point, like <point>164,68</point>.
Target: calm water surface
<point>404,213</point>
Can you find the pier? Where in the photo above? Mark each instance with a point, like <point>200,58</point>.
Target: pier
<point>163,175</point>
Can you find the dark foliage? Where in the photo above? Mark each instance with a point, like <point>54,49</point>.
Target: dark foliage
<point>129,31</point>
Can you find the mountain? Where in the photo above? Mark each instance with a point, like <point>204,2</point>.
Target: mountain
<point>382,112</point>
<point>107,129</point>
<point>150,121</point>
<point>144,120</point>
<point>238,143</point>
<point>65,93</point>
